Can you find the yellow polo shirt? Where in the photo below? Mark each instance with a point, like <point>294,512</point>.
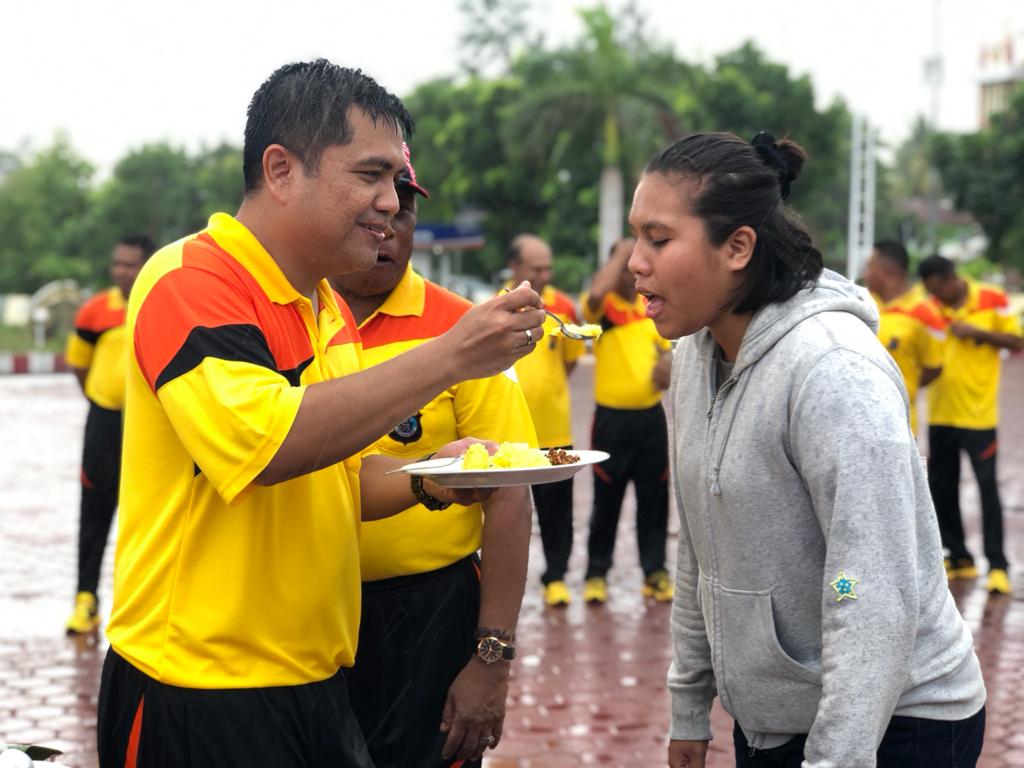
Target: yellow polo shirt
<point>913,332</point>
<point>543,377</point>
<point>419,540</point>
<point>98,344</point>
<point>625,353</point>
<point>218,582</point>
<point>966,395</point>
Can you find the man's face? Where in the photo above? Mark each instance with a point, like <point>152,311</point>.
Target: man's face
<point>945,288</point>
<point>392,256</point>
<point>342,212</point>
<point>533,264</point>
<point>623,249</point>
<point>125,264</point>
<point>875,274</point>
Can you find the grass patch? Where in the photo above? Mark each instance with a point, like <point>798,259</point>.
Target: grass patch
<point>14,339</point>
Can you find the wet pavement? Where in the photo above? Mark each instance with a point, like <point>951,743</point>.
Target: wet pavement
<point>589,687</point>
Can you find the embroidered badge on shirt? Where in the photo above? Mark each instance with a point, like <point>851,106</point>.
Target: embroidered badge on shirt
<point>843,585</point>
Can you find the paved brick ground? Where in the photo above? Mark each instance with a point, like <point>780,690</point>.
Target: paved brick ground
<point>588,690</point>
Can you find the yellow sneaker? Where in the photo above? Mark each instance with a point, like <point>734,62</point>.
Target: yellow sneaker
<point>556,594</point>
<point>85,618</point>
<point>658,586</point>
<point>595,591</point>
<point>998,582</point>
<point>962,569</point>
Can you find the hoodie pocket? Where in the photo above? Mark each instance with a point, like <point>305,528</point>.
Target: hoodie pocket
<point>768,690</point>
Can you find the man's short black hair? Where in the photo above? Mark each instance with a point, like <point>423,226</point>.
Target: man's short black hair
<point>936,266</point>
<point>143,242</point>
<point>895,253</point>
<point>304,107</point>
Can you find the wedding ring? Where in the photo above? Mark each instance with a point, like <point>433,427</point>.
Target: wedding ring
<point>529,336</point>
<point>488,740</point>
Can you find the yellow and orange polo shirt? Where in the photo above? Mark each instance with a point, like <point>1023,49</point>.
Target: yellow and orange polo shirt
<point>913,332</point>
<point>419,540</point>
<point>218,582</point>
<point>542,373</point>
<point>625,353</point>
<point>98,344</point>
<point>966,395</point>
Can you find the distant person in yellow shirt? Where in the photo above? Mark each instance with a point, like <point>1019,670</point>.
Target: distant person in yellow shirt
<point>963,411</point>
<point>428,599</point>
<point>910,327</point>
<point>544,377</point>
<point>98,356</point>
<point>631,369</point>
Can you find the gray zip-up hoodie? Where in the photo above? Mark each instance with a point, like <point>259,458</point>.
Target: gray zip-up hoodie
<point>810,591</point>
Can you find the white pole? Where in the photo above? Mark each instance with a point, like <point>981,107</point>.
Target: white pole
<point>854,222</point>
<point>868,231</point>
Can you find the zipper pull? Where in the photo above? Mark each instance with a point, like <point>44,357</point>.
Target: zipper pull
<point>716,489</point>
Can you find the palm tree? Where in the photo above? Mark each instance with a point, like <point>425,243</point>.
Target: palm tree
<point>597,95</point>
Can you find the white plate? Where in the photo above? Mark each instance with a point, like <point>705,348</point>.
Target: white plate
<point>451,474</point>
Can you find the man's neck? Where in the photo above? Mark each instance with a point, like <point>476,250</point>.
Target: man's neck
<point>894,291</point>
<point>260,220</point>
<point>961,298</point>
<point>362,306</point>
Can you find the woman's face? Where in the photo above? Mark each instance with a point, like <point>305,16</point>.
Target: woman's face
<point>689,282</point>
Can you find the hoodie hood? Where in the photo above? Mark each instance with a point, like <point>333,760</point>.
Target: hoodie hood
<point>830,293</point>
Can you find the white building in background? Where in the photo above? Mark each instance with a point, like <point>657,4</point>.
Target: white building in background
<point>1001,70</point>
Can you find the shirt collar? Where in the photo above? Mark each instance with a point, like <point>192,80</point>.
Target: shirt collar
<point>406,299</point>
<point>231,235</point>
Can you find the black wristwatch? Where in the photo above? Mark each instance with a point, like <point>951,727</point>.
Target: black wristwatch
<point>492,649</point>
<point>430,502</point>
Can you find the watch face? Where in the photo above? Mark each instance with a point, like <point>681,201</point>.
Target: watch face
<point>489,649</point>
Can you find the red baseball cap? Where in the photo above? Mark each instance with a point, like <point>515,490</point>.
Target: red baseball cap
<point>408,179</point>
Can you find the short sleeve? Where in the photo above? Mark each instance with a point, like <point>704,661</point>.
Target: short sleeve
<point>212,370</point>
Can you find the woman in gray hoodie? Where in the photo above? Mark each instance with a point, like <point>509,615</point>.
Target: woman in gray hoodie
<point>810,594</point>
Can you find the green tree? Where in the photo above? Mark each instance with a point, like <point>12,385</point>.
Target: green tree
<point>43,204</point>
<point>984,171</point>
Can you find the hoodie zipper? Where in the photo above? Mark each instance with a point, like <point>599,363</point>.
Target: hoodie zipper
<point>716,489</point>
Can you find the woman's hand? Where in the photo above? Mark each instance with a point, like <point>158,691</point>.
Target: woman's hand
<point>686,754</point>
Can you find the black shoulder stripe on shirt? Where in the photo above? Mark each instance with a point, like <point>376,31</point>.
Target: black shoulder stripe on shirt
<point>242,343</point>
<point>606,324</point>
<point>87,335</point>
<point>295,374</point>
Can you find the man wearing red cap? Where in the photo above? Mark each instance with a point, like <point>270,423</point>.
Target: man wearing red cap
<point>438,621</point>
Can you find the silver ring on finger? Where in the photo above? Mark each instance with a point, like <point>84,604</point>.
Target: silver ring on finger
<point>529,336</point>
<point>489,740</point>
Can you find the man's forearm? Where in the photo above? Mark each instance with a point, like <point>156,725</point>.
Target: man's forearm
<point>340,417</point>
<point>505,553</point>
<point>1002,340</point>
<point>928,375</point>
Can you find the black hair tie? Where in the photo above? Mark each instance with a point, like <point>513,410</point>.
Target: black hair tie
<point>769,153</point>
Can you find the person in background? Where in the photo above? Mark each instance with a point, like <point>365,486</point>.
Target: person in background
<point>963,412</point>
<point>424,687</point>
<point>544,376</point>
<point>909,325</point>
<point>631,369</point>
<point>97,353</point>
<point>810,596</point>
<point>237,584</point>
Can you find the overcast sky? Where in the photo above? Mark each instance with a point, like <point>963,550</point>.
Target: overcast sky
<point>116,74</point>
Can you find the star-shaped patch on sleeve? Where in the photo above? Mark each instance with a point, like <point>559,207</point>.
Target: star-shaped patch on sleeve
<point>843,585</point>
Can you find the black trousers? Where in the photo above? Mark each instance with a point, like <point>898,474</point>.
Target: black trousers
<point>101,472</point>
<point>944,446</point>
<point>142,722</point>
<point>415,636</point>
<point>638,444</point>
<point>554,515</point>
<point>909,742</point>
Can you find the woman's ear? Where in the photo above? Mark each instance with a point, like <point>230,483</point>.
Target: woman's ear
<point>739,248</point>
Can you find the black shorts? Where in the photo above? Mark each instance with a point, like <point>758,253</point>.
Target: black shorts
<point>417,633</point>
<point>147,724</point>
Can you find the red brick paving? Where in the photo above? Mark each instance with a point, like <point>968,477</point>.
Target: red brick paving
<point>589,688</point>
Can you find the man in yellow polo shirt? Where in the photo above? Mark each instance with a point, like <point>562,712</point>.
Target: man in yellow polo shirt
<point>910,327</point>
<point>98,355</point>
<point>237,579</point>
<point>427,596</point>
<point>631,370</point>
<point>544,376</point>
<point>963,411</point>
